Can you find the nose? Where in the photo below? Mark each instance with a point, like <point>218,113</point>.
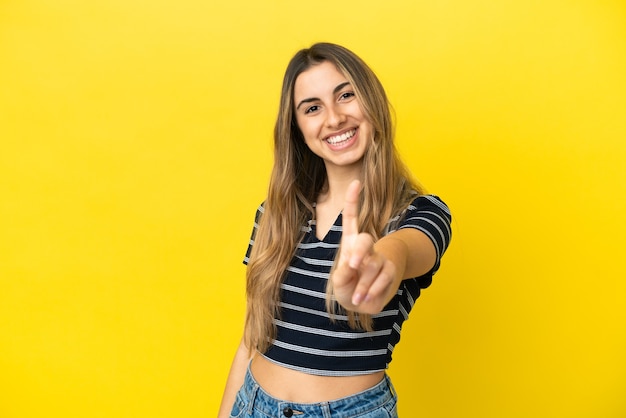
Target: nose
<point>335,117</point>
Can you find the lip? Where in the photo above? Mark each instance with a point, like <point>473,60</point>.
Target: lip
<point>344,144</point>
<point>343,131</point>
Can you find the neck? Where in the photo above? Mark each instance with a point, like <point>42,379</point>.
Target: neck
<point>338,182</point>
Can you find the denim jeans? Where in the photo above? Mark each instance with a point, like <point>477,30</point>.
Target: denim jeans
<point>377,402</point>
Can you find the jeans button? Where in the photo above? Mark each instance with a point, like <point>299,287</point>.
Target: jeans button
<point>288,412</point>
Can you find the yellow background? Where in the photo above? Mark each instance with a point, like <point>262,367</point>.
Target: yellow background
<point>136,145</point>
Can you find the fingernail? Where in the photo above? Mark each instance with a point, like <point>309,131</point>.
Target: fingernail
<point>356,298</point>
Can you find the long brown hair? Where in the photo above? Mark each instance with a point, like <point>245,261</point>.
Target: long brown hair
<point>297,178</point>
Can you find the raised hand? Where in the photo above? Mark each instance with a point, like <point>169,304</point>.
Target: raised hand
<point>363,278</point>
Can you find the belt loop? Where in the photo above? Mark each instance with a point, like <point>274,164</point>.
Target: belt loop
<point>325,410</point>
<point>253,393</point>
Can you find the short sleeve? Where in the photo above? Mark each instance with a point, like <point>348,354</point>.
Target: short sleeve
<point>257,219</point>
<point>430,215</point>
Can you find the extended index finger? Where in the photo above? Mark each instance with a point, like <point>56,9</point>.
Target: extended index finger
<point>350,214</point>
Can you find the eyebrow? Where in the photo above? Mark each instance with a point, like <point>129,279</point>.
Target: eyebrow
<point>313,99</point>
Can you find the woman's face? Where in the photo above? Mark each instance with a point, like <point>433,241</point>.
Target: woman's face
<point>330,117</point>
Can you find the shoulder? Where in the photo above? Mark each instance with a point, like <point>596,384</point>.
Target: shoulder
<point>426,209</point>
<point>420,206</point>
<point>429,202</point>
<point>259,212</point>
<point>429,214</point>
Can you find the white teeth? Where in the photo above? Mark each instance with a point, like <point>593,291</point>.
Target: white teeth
<point>340,138</point>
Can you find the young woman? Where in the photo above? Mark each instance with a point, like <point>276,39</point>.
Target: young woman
<point>340,250</point>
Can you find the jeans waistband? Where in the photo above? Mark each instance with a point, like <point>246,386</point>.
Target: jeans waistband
<point>349,406</point>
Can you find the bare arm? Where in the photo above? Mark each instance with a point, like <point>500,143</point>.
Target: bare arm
<point>235,379</point>
<point>410,251</point>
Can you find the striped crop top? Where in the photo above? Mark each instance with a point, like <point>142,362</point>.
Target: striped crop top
<point>307,339</point>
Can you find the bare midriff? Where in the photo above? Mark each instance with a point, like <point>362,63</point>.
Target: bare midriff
<point>294,386</point>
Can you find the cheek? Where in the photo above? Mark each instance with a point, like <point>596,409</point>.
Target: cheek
<point>307,129</point>
<point>369,130</point>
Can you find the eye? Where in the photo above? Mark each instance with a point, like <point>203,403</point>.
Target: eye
<point>346,95</point>
<point>311,109</point>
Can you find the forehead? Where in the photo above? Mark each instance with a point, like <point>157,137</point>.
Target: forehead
<point>318,80</point>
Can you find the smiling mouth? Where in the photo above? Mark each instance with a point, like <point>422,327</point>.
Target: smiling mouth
<point>338,139</point>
